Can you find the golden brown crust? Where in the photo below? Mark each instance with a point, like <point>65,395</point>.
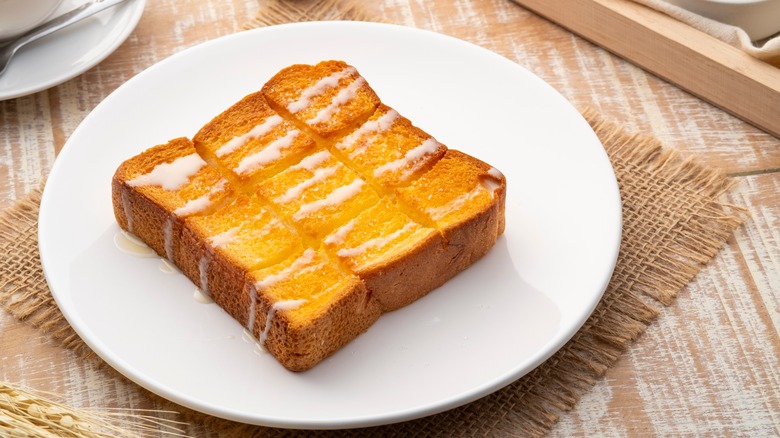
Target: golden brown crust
<point>491,221</point>
<point>403,280</point>
<point>222,277</point>
<point>300,347</point>
<point>143,217</point>
<point>141,210</point>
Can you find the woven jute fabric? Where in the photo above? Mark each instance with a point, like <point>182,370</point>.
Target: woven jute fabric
<point>673,224</point>
<point>294,11</point>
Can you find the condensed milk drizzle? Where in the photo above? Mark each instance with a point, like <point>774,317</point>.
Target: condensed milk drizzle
<point>440,212</point>
<point>194,205</point>
<point>299,263</point>
<point>129,244</point>
<point>490,184</point>
<point>200,297</point>
<point>132,245</point>
<point>224,238</point>
<point>320,87</point>
<point>370,127</point>
<point>336,197</point>
<point>170,176</point>
<point>312,161</point>
<point>320,174</point>
<point>201,203</point>
<point>378,242</point>
<point>126,208</point>
<point>271,153</point>
<point>345,95</point>
<point>250,325</point>
<point>168,267</point>
<point>493,180</point>
<point>258,131</point>
<point>168,238</point>
<point>495,173</point>
<point>341,233</point>
<point>278,306</point>
<point>203,272</point>
<point>427,147</point>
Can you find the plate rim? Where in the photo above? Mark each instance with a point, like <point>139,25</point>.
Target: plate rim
<point>488,387</point>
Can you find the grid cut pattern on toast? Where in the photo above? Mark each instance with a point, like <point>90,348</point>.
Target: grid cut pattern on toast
<point>309,208</point>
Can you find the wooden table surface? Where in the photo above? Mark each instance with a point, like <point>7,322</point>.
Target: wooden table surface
<point>710,365</point>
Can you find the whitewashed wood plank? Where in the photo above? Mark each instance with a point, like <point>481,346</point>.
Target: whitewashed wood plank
<point>706,367</point>
<point>26,145</point>
<point>759,239</point>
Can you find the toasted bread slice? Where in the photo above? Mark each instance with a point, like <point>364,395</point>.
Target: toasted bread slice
<point>309,208</point>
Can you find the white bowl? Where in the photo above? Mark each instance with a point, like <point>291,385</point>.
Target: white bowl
<point>759,18</point>
<point>19,16</point>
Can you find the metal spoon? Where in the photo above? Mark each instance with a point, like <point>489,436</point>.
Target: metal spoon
<point>8,48</point>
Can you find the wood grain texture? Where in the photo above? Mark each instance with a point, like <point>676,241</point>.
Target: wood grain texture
<point>590,76</point>
<point>708,366</point>
<point>697,62</point>
<point>704,369</point>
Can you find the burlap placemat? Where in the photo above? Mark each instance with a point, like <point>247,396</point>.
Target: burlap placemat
<point>673,224</point>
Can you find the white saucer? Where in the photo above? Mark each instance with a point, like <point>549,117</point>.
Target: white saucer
<point>66,54</point>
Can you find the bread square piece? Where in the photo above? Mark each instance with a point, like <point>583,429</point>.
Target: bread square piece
<point>330,98</point>
<point>389,150</point>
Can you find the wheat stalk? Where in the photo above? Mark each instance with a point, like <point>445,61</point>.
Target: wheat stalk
<point>27,414</point>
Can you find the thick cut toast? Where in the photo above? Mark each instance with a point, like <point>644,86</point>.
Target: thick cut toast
<point>309,208</point>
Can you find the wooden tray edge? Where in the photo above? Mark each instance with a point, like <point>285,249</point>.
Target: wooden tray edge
<point>693,60</point>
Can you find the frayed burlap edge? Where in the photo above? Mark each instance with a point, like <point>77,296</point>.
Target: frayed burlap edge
<point>704,224</point>
<point>290,11</point>
<point>23,288</point>
<point>646,277</point>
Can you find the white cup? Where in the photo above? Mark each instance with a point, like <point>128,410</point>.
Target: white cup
<point>19,16</point>
<point>759,18</point>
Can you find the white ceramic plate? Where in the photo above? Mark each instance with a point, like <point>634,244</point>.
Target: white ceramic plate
<point>481,331</point>
<point>66,54</point>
